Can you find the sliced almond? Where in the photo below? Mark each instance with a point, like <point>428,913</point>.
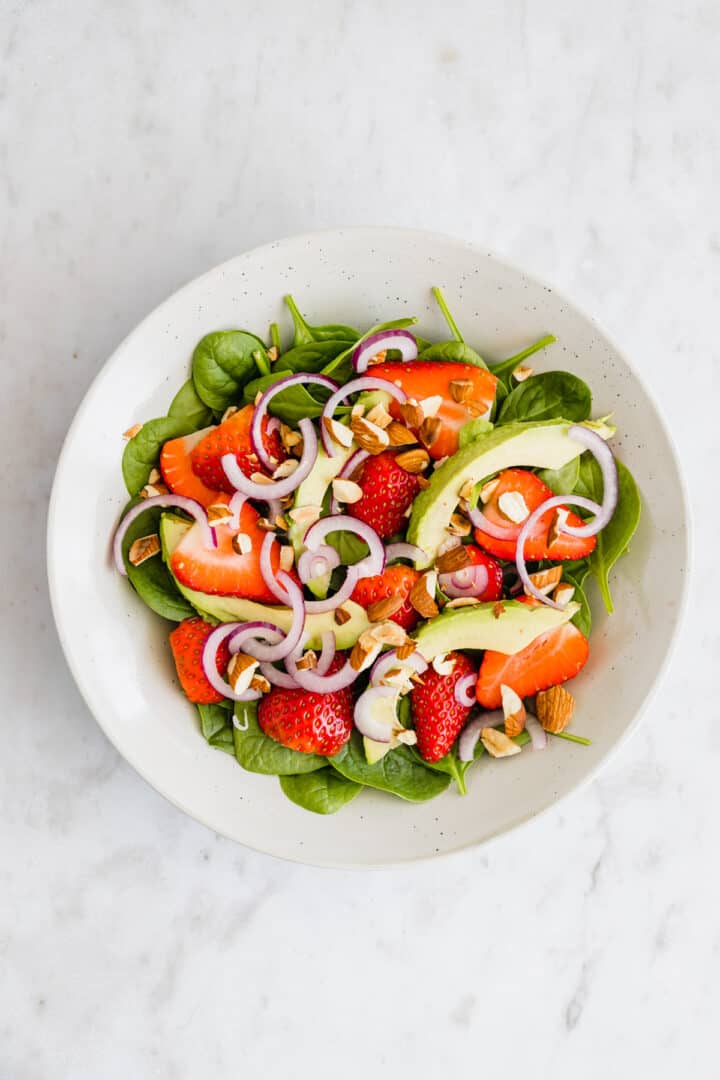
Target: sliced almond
<point>546,580</point>
<point>444,664</point>
<point>241,544</point>
<point>305,515</point>
<point>364,652</point>
<point>406,736</point>
<point>285,468</point>
<point>556,525</point>
<point>307,661</point>
<point>387,633</point>
<point>467,490</point>
<point>422,595</point>
<point>462,601</point>
<point>380,416</point>
<point>478,409</point>
<point>358,409</point>
<point>287,558</point>
<point>260,478</point>
<point>412,413</point>
<point>459,525</point>
<point>429,430</point>
<point>554,708</point>
<point>461,390</point>
<point>513,711</point>
<point>281,522</point>
<point>240,671</point>
<point>132,431</point>
<point>369,436</point>
<point>230,411</point>
<point>439,461</point>
<point>272,353</point>
<point>406,649</point>
<point>563,593</point>
<point>346,491</point>
<point>522,372</point>
<point>341,615</point>
<point>266,525</point>
<point>219,513</point>
<point>339,433</point>
<point>430,405</point>
<point>155,477</point>
<point>413,461</point>
<point>383,609</point>
<point>423,482</point>
<point>498,609</point>
<point>289,438</point>
<point>260,683</point>
<point>399,435</point>
<point>455,559</point>
<point>378,358</point>
<point>497,743</point>
<point>448,544</point>
<point>488,490</point>
<point>150,491</point>
<point>143,549</point>
<point>512,505</point>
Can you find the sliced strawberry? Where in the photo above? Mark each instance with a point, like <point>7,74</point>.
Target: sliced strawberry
<point>187,641</point>
<point>388,490</point>
<point>551,659</point>
<point>395,581</point>
<point>220,571</point>
<point>232,437</point>
<point>177,471</point>
<point>534,492</point>
<point>437,715</point>
<point>430,378</point>
<point>309,722</point>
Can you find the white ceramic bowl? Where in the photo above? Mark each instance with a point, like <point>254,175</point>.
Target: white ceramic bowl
<point>118,650</point>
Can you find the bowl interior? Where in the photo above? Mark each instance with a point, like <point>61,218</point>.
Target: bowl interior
<point>118,650</point>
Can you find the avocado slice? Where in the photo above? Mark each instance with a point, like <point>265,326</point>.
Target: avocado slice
<point>542,445</point>
<point>312,492</point>
<point>237,609</point>
<point>479,627</point>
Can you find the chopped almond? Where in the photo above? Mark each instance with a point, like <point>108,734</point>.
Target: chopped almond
<point>241,544</point>
<point>287,558</point>
<point>339,433</point>
<point>513,711</point>
<point>422,595</point>
<point>307,661</point>
<point>289,438</point>
<point>132,431</point>
<point>497,744</point>
<point>341,615</point>
<point>459,525</point>
<point>554,708</point>
<point>412,413</point>
<point>219,513</point>
<point>429,430</point>
<point>230,411</point>
<point>346,491</point>
<point>240,671</point>
<point>456,558</point>
<point>150,491</point>
<point>380,416</point>
<point>430,405</point>
<point>521,373</point>
<point>399,435</point>
<point>413,461</point>
<point>285,468</point>
<point>369,436</point>
<point>498,609</point>
<point>383,609</point>
<point>487,490</point>
<point>272,353</point>
<point>462,601</point>
<point>143,549</point>
<point>461,390</point>
<point>546,580</point>
<point>512,505</point>
<point>305,515</point>
<point>406,649</point>
<point>563,593</point>
<point>364,652</point>
<point>444,664</point>
<point>387,633</point>
<point>260,683</point>
<point>260,478</point>
<point>556,525</point>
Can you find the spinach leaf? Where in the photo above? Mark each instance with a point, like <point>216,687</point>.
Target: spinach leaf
<point>563,480</point>
<point>186,405</point>
<point>613,540</point>
<point>314,357</point>
<point>214,718</point>
<point>142,452</point>
<point>258,753</point>
<point>291,404</point>
<point>152,580</point>
<point>547,396</point>
<point>504,369</point>
<point>583,618</point>
<point>473,430</point>
<point>275,336</point>
<point>223,362</point>
<point>223,740</point>
<point>349,547</point>
<point>304,333</point>
<point>399,772</point>
<point>451,765</point>
<point>323,792</point>
<point>393,324</point>
<point>456,351</point>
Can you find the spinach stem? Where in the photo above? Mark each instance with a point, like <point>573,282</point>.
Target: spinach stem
<point>275,335</point>
<point>513,361</point>
<point>261,363</point>
<point>297,316</point>
<point>447,315</point>
<point>572,738</point>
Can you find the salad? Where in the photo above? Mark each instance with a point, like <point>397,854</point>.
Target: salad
<point>375,549</point>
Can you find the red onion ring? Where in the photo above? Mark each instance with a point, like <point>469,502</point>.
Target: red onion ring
<point>368,567</point>
<point>470,734</point>
<point>266,570</point>
<point>235,505</point>
<point>323,684</point>
<point>181,502</point>
<point>465,690</point>
<point>209,662</point>
<point>301,379</point>
<point>469,581</point>
<point>276,489</point>
<point>353,462</point>
<point>363,717</point>
<point>538,735</point>
<point>500,532</point>
<point>314,564</point>
<point>278,678</point>
<point>604,457</point>
<point>404,551</point>
<point>390,660</point>
<point>367,382</point>
<point>317,607</point>
<point>291,640</point>
<point>401,340</point>
<point>327,655</point>
<point>273,425</point>
<point>527,527</point>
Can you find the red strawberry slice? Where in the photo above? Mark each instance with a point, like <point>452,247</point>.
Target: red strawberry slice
<point>395,581</point>
<point>187,641</point>
<point>221,571</point>
<point>437,716</point>
<point>537,546</point>
<point>494,587</point>
<point>232,437</point>
<point>388,490</point>
<point>308,722</point>
<point>177,471</point>
<point>428,378</point>
<point>551,659</point>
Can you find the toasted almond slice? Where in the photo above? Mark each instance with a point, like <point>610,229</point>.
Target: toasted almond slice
<point>151,490</point>
<point>430,405</point>
<point>357,410</point>
<point>462,601</point>
<point>378,358</point>
<point>477,409</point>
<point>423,482</point>
<point>497,743</point>
<point>413,461</point>
<point>230,411</point>
<point>305,515</point>
<point>265,525</point>
<point>406,649</point>
<point>339,433</point>
<point>456,558</point>
<point>498,609</point>
<point>512,505</point>
<point>459,525</point>
<point>369,436</point>
<point>444,664</point>
<point>554,708</point>
<point>307,661</point>
<point>155,477</point>
<point>461,390</point>
<point>287,558</point>
<point>406,736</point>
<point>422,595</point>
<point>546,580</point>
<point>143,549</point>
<point>487,490</point>
<point>467,490</point>
<point>285,468</point>
<point>260,478</point>
<point>563,593</point>
<point>240,671</point>
<point>364,652</point>
<point>522,372</point>
<point>241,544</point>
<point>219,513</point>
<point>272,353</point>
<point>399,435</point>
<point>281,522</point>
<point>383,609</point>
<point>289,438</point>
<point>513,711</point>
<point>380,416</point>
<point>132,431</point>
<point>556,525</point>
<point>387,633</point>
<point>260,683</point>
<point>341,615</point>
<point>448,544</point>
<point>346,491</point>
<point>412,413</point>
<point>429,431</point>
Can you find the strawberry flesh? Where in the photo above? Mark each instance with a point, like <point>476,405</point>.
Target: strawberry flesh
<point>437,716</point>
<point>387,492</point>
<point>233,437</point>
<point>187,642</point>
<point>309,722</point>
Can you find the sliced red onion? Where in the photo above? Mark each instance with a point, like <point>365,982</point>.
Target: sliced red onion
<point>266,570</point>
<point>289,641</point>
<point>301,379</point>
<point>366,723</point>
<point>314,564</point>
<point>389,660</point>
<point>368,567</point>
<point>276,489</point>
<point>404,551</point>
<point>538,735</point>
<point>500,532</point>
<point>327,655</point>
<point>273,425</point>
<point>277,677</point>
<point>527,527</point>
<point>470,734</point>
<point>209,661</point>
<point>317,607</point>
<point>401,340</point>
<point>604,457</point>
<point>465,690</point>
<point>353,462</point>
<point>323,684</point>
<point>468,581</point>
<point>367,382</point>
<point>181,502</point>
<point>274,507</point>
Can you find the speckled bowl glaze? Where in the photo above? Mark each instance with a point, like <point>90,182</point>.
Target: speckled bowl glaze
<point>118,651</point>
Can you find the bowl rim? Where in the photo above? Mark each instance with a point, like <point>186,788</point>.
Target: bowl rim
<point>685,520</point>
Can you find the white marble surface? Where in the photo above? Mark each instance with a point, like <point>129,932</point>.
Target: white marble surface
<point>143,142</point>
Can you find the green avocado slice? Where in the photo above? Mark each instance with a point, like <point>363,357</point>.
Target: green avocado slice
<point>237,609</point>
<point>543,445</point>
<point>483,626</point>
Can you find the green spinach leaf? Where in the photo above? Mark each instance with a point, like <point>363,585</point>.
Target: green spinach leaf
<point>186,405</point>
<point>613,540</point>
<point>142,452</point>
<point>341,358</point>
<point>291,404</point>
<point>456,351</point>
<point>504,369</point>
<point>349,547</point>
<point>215,718</point>
<point>258,753</point>
<point>324,792</point>
<point>450,765</point>
<point>562,481</point>
<point>474,429</point>
<point>314,357</point>
<point>304,333</point>
<point>548,396</point>
<point>152,580</point>
<point>583,618</point>
<point>223,362</point>
<point>399,772</point>
<point>223,740</point>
